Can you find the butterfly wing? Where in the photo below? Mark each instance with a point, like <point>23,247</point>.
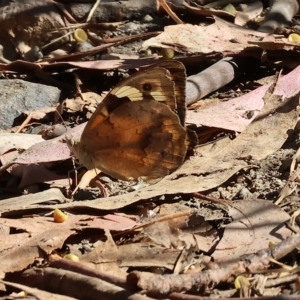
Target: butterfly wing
<point>141,138</point>
<point>138,128</point>
<point>178,76</point>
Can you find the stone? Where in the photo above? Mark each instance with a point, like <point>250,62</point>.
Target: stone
<point>17,96</point>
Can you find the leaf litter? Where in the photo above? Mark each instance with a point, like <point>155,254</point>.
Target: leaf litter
<point>165,238</point>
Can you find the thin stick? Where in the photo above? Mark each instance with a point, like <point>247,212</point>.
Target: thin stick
<point>93,10</point>
<point>25,123</point>
<point>57,40</point>
<point>165,218</point>
<point>169,11</point>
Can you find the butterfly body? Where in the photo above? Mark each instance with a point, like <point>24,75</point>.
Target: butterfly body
<point>138,129</point>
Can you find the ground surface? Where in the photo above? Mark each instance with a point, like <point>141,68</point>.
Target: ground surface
<point>202,231</point>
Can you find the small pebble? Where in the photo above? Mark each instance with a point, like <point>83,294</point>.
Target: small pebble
<point>244,193</point>
<point>54,131</point>
<point>131,27</point>
<point>147,19</point>
<point>33,54</point>
<point>84,46</point>
<point>105,179</point>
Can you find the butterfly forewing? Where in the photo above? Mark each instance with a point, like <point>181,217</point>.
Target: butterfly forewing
<point>155,84</point>
<point>138,129</point>
<point>178,76</point>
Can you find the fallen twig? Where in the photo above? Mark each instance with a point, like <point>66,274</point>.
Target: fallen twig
<point>75,285</point>
<point>165,284</point>
<point>80,268</point>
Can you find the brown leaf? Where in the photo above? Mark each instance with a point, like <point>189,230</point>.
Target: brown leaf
<point>262,223</point>
<point>232,114</point>
<point>135,255</point>
<point>43,233</point>
<point>221,36</point>
<point>10,141</point>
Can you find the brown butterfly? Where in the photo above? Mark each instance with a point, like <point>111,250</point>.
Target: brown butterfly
<point>138,130</point>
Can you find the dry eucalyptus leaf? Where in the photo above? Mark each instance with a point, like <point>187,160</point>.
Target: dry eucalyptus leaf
<point>221,36</point>
<point>107,250</point>
<point>51,150</point>
<point>43,234</point>
<point>10,141</point>
<point>27,200</point>
<point>135,255</point>
<point>233,114</point>
<point>34,173</point>
<point>88,99</point>
<point>261,222</point>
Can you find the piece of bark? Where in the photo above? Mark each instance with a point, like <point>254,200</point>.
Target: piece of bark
<point>80,268</point>
<point>39,294</point>
<point>211,79</point>
<point>215,77</point>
